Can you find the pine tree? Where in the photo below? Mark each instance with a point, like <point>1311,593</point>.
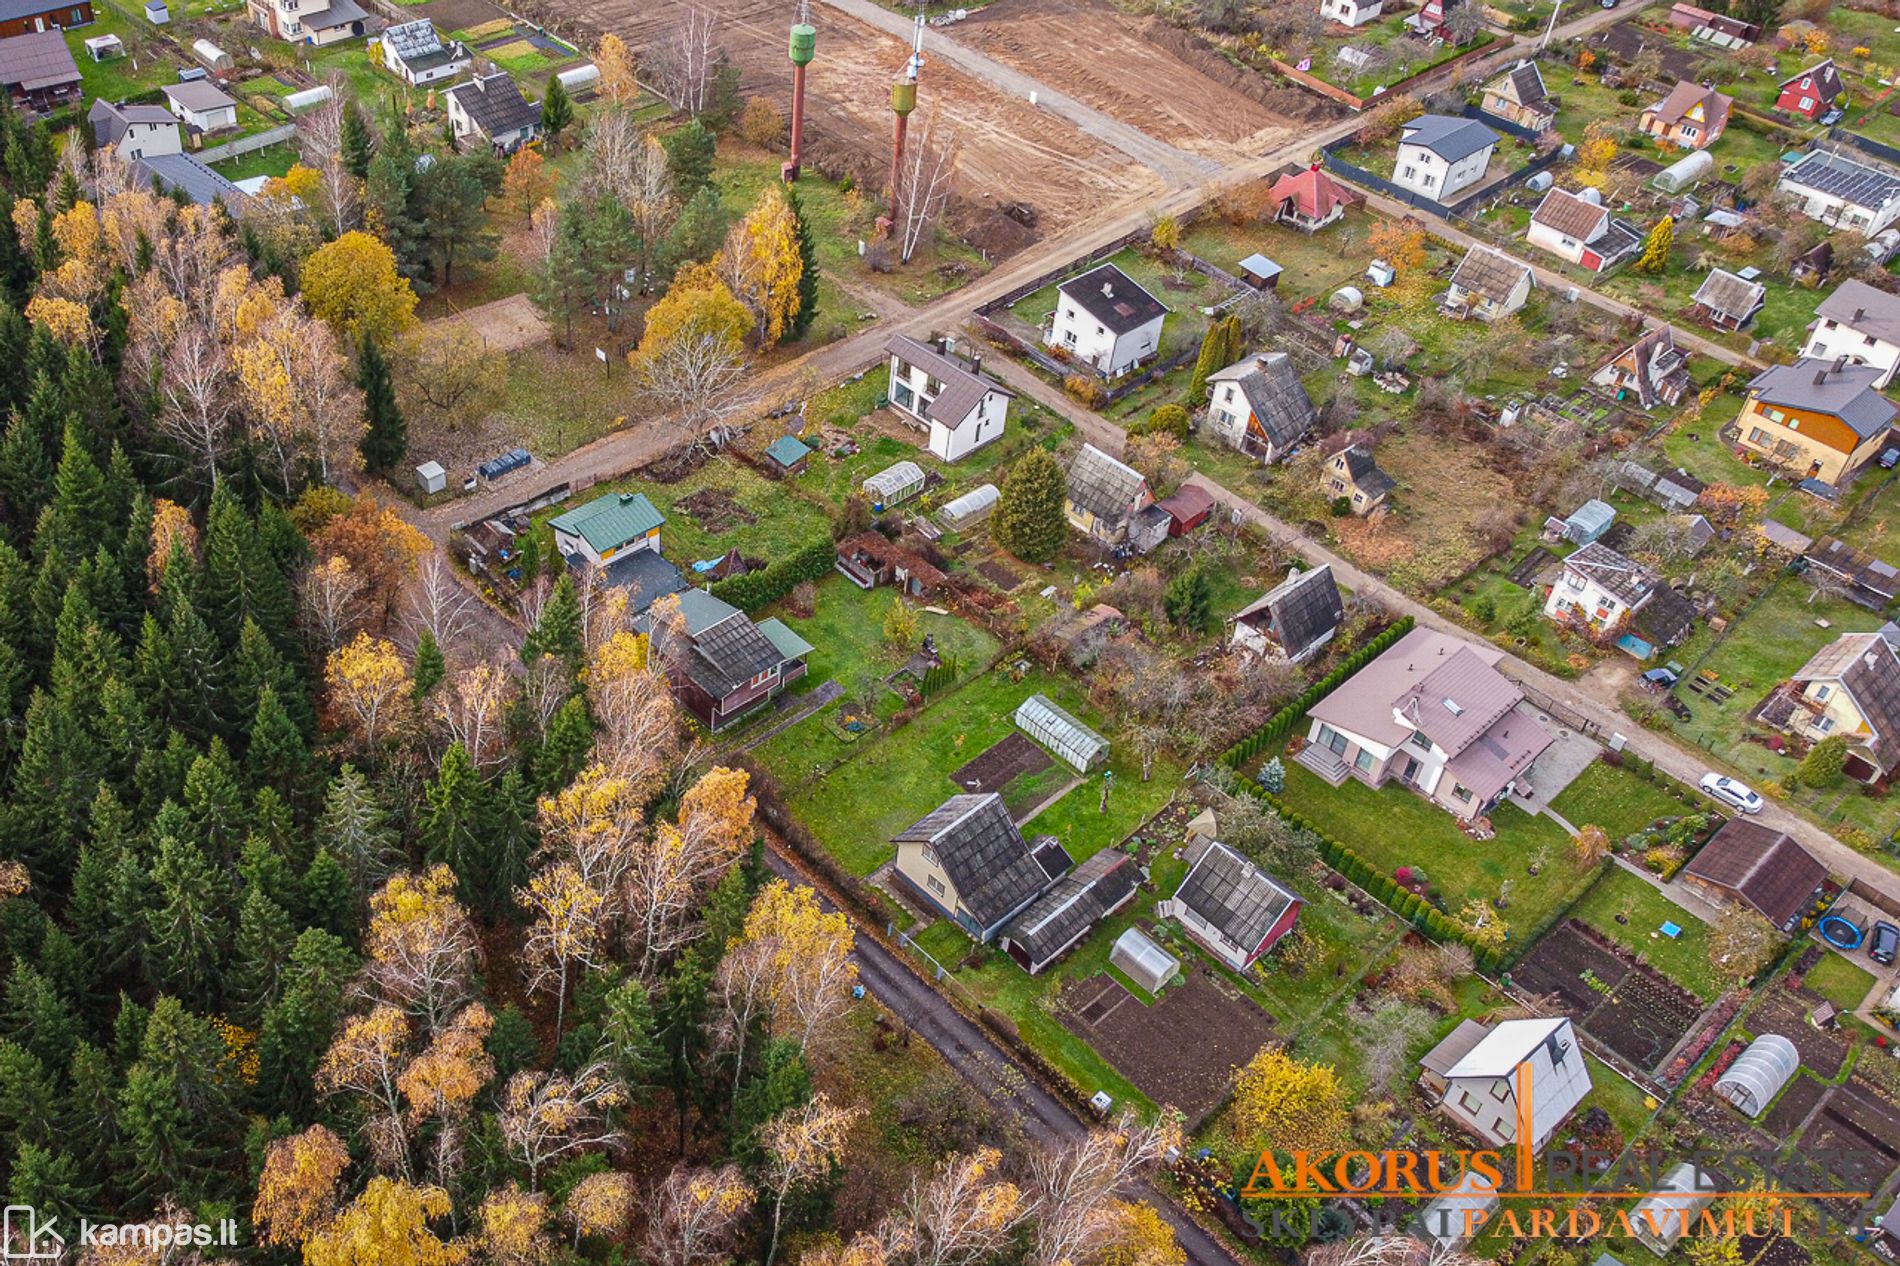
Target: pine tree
<point>1189,600</point>
<point>454,823</point>
<point>564,752</point>
<point>276,757</point>
<point>689,157</point>
<point>558,631</point>
<point>1658,245</point>
<point>808,277</point>
<point>430,666</point>
<point>260,954</point>
<point>188,925</point>
<point>557,111</point>
<point>387,439</point>
<point>358,146</point>
<point>1029,520</point>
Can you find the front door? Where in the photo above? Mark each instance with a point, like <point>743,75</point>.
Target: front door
<point>1411,771</point>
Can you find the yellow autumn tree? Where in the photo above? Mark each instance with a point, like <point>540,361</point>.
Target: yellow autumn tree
<point>617,82</point>
<point>697,305</point>
<point>1400,243</point>
<point>364,1061</point>
<point>352,283</point>
<point>567,932</point>
<point>1141,1237</point>
<point>514,1227</point>
<point>369,686</point>
<point>600,1204</point>
<point>171,527</point>
<point>443,1081</point>
<point>69,322</point>
<point>299,184</point>
<point>297,1190</point>
<point>791,963</point>
<point>421,946</point>
<point>527,180</point>
<point>1289,1105</point>
<point>387,1225</point>
<point>762,265</point>
<point>802,1146</point>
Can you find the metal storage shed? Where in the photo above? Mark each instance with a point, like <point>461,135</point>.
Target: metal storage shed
<point>1142,961</point>
<point>972,507</point>
<point>1589,521</point>
<point>1073,743</point>
<point>894,484</point>
<point>1759,1073</point>
<point>1660,1220</point>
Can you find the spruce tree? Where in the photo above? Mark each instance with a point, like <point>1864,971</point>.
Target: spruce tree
<point>267,869</point>
<point>454,822</point>
<point>430,666</point>
<point>564,752</point>
<point>358,146</point>
<point>48,1180</point>
<point>26,472</point>
<point>1029,520</point>
<point>808,278</point>
<point>689,157</point>
<point>27,1096</point>
<point>89,1123</point>
<point>557,110</point>
<point>327,897</point>
<point>188,926</point>
<point>355,833</point>
<point>1211,358</point>
<point>630,1037</point>
<point>34,1013</point>
<point>558,631</point>
<point>259,956</point>
<point>217,803</point>
<point>387,439</point>
<point>276,758</point>
<point>1189,600</point>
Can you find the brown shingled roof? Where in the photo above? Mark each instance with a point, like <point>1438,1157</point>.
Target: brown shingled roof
<point>1764,867</point>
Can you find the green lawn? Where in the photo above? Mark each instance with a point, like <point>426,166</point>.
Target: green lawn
<point>892,780</point>
<point>1348,942</point>
<point>1684,959</point>
<point>1315,264</point>
<point>1616,800</point>
<point>275,160</point>
<point>1392,827</point>
<point>1843,983</point>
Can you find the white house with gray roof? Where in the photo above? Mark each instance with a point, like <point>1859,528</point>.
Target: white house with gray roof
<point>1843,192</point>
<point>1860,322</point>
<point>202,106</point>
<point>1235,910</point>
<point>1259,406</point>
<point>960,407</point>
<point>1483,1071</point>
<point>491,108</point>
<point>1434,713</point>
<point>134,131</point>
<point>1104,320</point>
<point>1441,156</point>
<point>1599,589</point>
<point>416,53</point>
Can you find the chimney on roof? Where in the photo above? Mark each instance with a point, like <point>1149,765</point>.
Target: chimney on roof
<point>1840,363</point>
<point>1108,290</point>
<point>976,360</point>
<point>949,346</point>
<point>1820,376</point>
<point>1859,313</point>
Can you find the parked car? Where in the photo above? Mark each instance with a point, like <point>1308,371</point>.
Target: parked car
<point>1734,794</point>
<point>1884,944</point>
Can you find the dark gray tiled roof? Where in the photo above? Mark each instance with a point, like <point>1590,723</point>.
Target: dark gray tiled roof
<point>495,104</point>
<point>1489,273</point>
<point>1365,471</point>
<point>1104,487</point>
<point>978,846</point>
<point>37,60</point>
<point>1234,896</point>
<point>1073,905</point>
<point>1275,394</point>
<point>1668,617</point>
<point>1302,609</point>
<point>1448,137</point>
<point>729,654</point>
<point>1112,297</point>
<point>963,387</point>
<point>1622,578</point>
<point>1847,392</point>
<point>1724,292</point>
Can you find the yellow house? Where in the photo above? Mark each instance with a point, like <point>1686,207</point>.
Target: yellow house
<point>1820,419</point>
<point>1851,687</point>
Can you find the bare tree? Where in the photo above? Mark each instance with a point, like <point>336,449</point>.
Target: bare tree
<point>196,400</point>
<point>923,184</point>
<point>696,378</point>
<point>439,603</point>
<point>320,137</point>
<point>683,63</point>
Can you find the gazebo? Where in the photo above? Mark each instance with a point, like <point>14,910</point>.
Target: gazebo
<point>1758,1073</point>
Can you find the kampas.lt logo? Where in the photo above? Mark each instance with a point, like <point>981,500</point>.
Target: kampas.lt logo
<point>27,1237</point>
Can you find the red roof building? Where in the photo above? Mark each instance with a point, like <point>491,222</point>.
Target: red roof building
<point>1310,200</point>
<point>1813,92</point>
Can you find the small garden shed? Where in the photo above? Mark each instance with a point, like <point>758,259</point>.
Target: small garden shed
<point>1071,742</point>
<point>1589,522</point>
<point>1142,961</point>
<point>1758,1073</point>
<point>787,454</point>
<point>894,485</point>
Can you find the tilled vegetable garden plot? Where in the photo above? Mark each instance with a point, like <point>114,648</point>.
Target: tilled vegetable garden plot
<point>1627,1006</point>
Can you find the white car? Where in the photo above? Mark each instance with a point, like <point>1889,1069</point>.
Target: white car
<point>1729,792</point>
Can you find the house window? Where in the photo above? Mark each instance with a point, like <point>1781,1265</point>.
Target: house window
<point>1500,1091</point>
<point>1775,415</point>
<point>1820,351</point>
<point>1822,692</point>
<point>1824,725</point>
<point>1068,336</point>
<point>1758,436</point>
<point>930,855</point>
<point>1363,761</point>
<point>1332,739</point>
<point>1430,181</point>
<point>934,884</point>
<point>1420,741</point>
<point>1411,173</point>
<point>1469,1102</point>
<point>1461,793</point>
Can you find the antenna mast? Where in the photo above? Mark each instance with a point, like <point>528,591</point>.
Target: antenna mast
<point>903,101</point>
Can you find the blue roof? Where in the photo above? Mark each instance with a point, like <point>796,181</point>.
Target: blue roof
<point>788,450</point>
<point>1449,138</point>
<point>611,520</point>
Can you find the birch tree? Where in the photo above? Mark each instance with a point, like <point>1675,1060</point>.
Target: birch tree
<point>421,946</point>
<point>364,1061</point>
<point>802,1146</point>
<point>566,933</point>
<point>684,61</point>
<point>546,1116</point>
<point>931,159</point>
<point>695,1216</point>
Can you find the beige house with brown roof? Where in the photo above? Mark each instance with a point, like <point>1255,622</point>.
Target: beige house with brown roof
<point>1433,713</point>
<point>1489,285</point>
<point>1519,96</point>
<point>1690,117</point>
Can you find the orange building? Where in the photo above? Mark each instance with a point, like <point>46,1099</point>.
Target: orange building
<point>1820,419</point>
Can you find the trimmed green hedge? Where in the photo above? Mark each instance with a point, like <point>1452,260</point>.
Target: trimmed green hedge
<point>753,589</point>
<point>1286,718</point>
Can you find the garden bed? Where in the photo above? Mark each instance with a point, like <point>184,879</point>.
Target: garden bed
<point>1001,765</point>
<point>1627,1006</point>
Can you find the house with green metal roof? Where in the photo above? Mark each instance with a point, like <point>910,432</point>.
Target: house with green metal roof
<point>607,527</point>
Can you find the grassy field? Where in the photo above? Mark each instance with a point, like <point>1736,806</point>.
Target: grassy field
<point>1841,982</point>
<point>1315,264</point>
<point>1616,800</point>
<point>1642,910</point>
<point>892,780</point>
<point>1392,827</point>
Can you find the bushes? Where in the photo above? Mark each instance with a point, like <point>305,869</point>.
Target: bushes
<point>753,589</point>
<point>1087,389</point>
<point>1286,718</point>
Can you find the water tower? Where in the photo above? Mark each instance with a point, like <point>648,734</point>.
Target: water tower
<point>804,47</point>
<point>903,101</point>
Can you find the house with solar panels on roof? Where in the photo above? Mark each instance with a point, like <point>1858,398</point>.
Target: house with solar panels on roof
<point>954,402</point>
<point>1294,620</point>
<point>1843,192</point>
<point>1478,1072</point>
<point>1233,909</point>
<point>416,53</point>
<point>730,667</point>
<point>1104,320</point>
<point>966,860</point>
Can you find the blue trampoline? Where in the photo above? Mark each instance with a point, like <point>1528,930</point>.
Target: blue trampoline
<point>1841,933</point>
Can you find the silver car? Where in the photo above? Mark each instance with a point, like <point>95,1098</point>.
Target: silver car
<point>1734,794</point>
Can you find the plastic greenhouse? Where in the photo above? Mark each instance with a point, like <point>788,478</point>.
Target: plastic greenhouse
<point>1073,743</point>
<point>1662,1217</point>
<point>971,507</point>
<point>894,485</point>
<point>1759,1073</point>
<point>1144,962</point>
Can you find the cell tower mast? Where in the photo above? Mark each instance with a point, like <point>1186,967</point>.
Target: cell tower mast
<point>804,47</point>
<point>903,101</point>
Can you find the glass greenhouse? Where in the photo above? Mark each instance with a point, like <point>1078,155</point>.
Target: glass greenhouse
<point>1071,742</point>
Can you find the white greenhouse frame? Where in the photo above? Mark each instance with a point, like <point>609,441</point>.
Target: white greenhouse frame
<point>1142,961</point>
<point>894,485</point>
<point>1073,743</point>
<point>1758,1073</point>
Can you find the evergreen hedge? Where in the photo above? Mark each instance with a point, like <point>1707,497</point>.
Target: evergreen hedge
<point>1286,718</point>
<point>753,589</point>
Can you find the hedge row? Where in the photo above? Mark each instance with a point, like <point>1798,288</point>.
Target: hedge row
<point>1286,718</point>
<point>1408,905</point>
<point>753,589</point>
